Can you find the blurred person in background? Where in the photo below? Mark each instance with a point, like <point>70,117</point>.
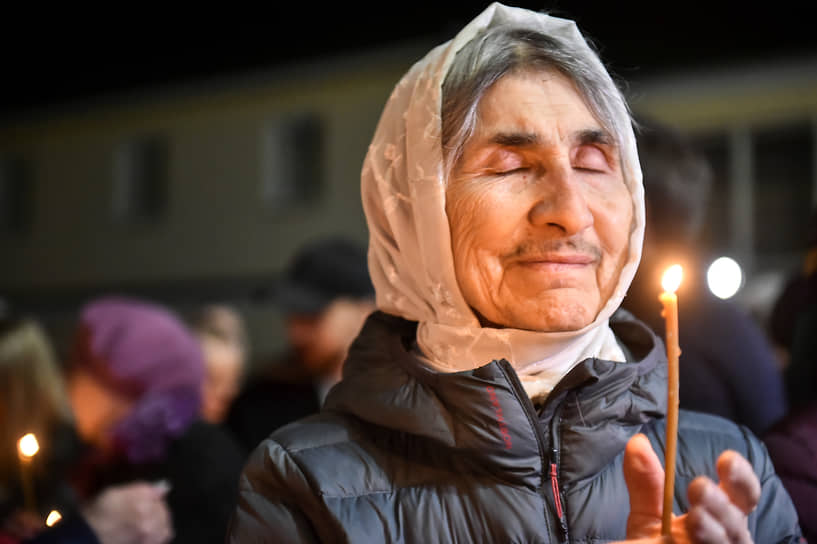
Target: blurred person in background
<point>221,331</point>
<point>325,294</point>
<point>727,365</point>
<point>792,446</point>
<point>135,384</point>
<point>793,323</point>
<point>792,443</point>
<point>33,400</point>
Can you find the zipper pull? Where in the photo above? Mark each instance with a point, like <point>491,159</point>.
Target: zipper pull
<point>554,482</point>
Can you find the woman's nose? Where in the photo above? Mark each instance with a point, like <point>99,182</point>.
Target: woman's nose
<point>561,203</point>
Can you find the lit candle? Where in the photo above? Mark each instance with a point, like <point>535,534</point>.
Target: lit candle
<point>27,448</point>
<point>670,282</point>
<point>53,518</point>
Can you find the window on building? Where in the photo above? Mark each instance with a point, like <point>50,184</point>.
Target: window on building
<point>16,195</point>
<point>784,174</point>
<point>292,157</point>
<point>140,180</point>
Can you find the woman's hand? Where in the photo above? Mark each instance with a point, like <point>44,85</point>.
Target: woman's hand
<point>134,513</point>
<point>718,512</point>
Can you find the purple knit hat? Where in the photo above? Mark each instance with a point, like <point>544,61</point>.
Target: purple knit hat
<point>143,351</point>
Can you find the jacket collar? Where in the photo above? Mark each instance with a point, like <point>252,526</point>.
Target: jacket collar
<point>485,414</point>
<point>601,404</point>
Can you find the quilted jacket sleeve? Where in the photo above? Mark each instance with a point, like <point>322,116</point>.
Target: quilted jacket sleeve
<point>276,502</point>
<point>775,519</point>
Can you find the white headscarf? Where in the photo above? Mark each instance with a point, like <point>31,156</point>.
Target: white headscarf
<point>410,259</point>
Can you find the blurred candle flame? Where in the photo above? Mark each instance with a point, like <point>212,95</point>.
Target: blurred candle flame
<point>28,445</point>
<point>53,517</point>
<point>672,278</point>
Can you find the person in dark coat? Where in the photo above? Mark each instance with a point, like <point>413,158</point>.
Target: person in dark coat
<point>793,323</point>
<point>727,366</point>
<point>792,442</point>
<point>325,294</point>
<point>792,445</point>
<point>494,396</point>
<point>134,381</point>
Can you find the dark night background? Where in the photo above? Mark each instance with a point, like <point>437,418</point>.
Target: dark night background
<point>51,58</point>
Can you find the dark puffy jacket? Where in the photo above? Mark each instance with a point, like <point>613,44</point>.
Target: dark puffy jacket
<point>403,454</point>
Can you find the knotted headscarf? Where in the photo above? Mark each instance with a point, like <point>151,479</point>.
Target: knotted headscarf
<point>403,187</point>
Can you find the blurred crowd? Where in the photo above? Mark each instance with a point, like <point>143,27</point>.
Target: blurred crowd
<point>144,428</point>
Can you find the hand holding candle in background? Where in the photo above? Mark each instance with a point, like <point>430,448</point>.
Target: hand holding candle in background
<point>670,282</point>
<point>132,512</point>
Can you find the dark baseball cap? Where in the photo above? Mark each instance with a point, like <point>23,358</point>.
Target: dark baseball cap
<point>321,271</point>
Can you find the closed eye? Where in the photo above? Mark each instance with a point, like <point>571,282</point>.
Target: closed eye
<point>512,171</point>
<point>589,158</point>
<point>590,170</point>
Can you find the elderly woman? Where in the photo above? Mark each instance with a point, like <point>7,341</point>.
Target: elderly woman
<point>493,395</point>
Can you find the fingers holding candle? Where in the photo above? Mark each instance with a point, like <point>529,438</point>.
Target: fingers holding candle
<point>738,480</point>
<point>644,477</point>
<point>717,512</point>
<point>724,506</point>
<point>714,512</point>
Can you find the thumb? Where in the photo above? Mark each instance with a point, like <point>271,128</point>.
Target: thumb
<point>644,477</point>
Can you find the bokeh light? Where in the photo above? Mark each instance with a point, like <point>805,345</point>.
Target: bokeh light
<point>28,445</point>
<point>53,518</point>
<point>724,277</point>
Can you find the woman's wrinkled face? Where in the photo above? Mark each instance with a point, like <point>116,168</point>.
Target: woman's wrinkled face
<point>539,213</point>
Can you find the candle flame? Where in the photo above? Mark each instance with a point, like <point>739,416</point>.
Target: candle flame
<point>53,517</point>
<point>672,278</point>
<point>28,445</point>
